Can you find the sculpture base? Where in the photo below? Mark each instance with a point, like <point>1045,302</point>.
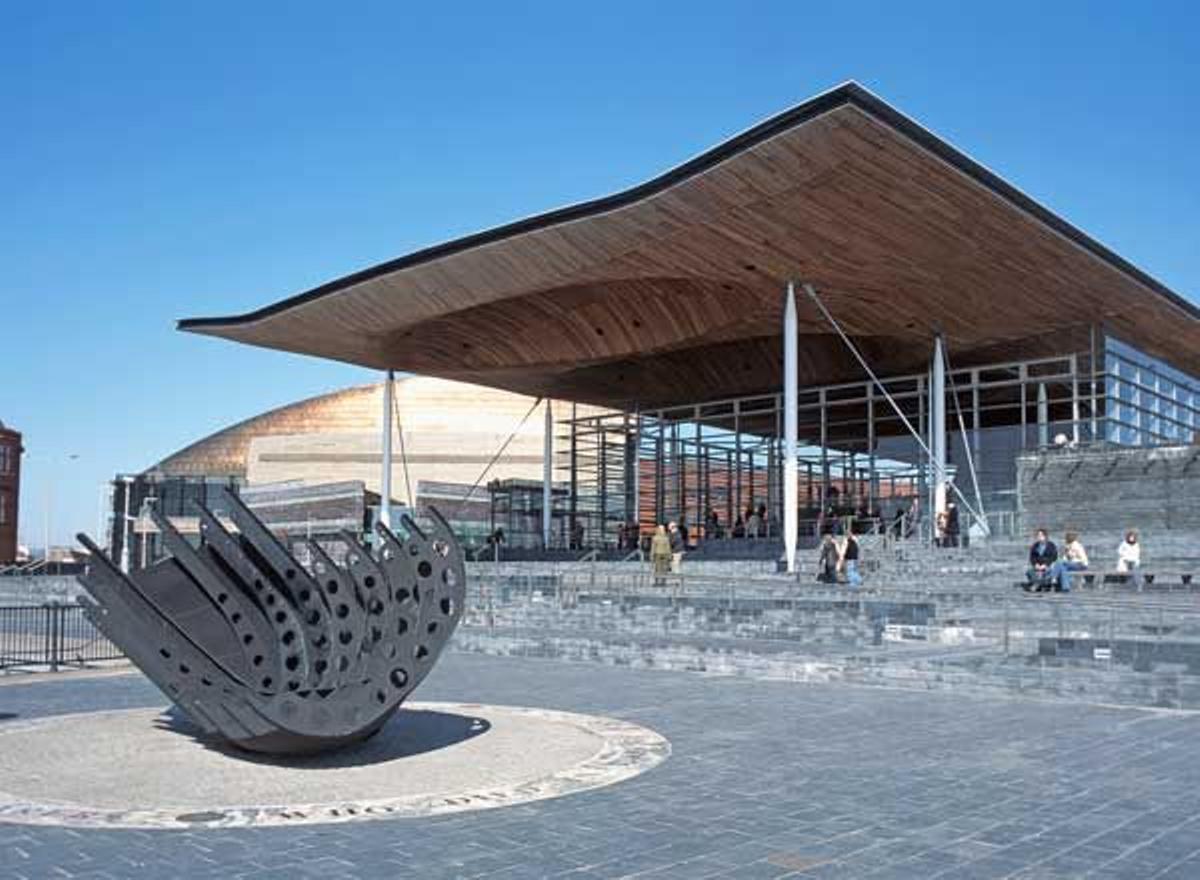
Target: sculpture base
<point>145,768</point>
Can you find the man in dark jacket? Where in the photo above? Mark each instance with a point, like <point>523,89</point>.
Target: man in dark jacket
<point>1042,555</point>
<point>827,563</point>
<point>952,526</point>
<point>678,545</point>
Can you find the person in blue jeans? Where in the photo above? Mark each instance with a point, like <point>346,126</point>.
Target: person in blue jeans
<point>850,552</point>
<point>1074,558</point>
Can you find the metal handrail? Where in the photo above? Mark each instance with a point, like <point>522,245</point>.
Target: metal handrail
<point>52,635</point>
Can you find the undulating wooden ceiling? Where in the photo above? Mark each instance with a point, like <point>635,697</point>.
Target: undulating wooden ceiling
<point>672,292</point>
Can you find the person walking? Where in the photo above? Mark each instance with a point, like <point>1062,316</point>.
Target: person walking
<point>827,562</point>
<point>952,527</point>
<point>660,555</point>
<point>1129,558</point>
<point>678,545</point>
<point>753,524</point>
<point>850,553</point>
<point>712,524</point>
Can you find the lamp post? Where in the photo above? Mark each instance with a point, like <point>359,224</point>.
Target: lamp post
<point>48,515</point>
<point>103,512</point>
<point>125,519</point>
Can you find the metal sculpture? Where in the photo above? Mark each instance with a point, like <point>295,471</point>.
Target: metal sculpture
<point>275,658</point>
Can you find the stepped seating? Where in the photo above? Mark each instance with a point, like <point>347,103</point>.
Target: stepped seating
<point>925,617</point>
<point>737,548</point>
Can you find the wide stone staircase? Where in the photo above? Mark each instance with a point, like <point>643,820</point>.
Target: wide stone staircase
<point>925,618</point>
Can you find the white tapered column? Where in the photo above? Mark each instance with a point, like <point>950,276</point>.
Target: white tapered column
<point>385,478</point>
<point>1043,416</point>
<point>547,473</point>
<point>937,433</point>
<point>791,495</point>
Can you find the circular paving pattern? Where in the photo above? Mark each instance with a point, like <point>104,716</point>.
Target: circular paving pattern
<point>145,768</point>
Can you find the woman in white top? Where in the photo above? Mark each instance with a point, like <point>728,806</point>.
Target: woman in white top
<point>1129,558</point>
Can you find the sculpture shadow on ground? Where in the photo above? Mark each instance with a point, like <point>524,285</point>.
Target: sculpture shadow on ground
<point>409,733</point>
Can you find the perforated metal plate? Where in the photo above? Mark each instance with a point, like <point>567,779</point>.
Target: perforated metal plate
<point>273,657</point>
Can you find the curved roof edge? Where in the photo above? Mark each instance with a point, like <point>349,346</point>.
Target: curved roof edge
<point>849,93</point>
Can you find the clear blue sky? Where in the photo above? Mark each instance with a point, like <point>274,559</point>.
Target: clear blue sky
<point>168,160</point>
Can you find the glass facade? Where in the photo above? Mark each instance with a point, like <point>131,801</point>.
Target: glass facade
<point>172,496</point>
<point>1148,402</point>
<point>857,452</point>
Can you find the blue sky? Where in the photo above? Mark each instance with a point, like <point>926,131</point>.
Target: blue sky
<point>170,160</point>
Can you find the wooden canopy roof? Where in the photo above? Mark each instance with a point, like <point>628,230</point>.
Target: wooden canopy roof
<point>672,291</point>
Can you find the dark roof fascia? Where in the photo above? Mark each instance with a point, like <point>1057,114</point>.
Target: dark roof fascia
<point>850,93</point>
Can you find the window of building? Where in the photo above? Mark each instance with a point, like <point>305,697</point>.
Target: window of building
<point>5,459</point>
<point>3,508</point>
<point>1149,401</point>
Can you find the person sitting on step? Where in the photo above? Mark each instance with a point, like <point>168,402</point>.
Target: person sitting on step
<point>1129,558</point>
<point>1043,554</point>
<point>1074,558</point>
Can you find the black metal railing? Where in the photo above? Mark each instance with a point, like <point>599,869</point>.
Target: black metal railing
<point>51,635</point>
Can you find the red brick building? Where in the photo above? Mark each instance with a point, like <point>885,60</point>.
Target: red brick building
<point>10,492</point>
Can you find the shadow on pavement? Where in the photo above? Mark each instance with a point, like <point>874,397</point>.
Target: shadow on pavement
<point>410,732</point>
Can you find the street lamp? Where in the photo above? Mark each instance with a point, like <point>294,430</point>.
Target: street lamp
<point>126,519</point>
<point>143,518</point>
<point>51,461</point>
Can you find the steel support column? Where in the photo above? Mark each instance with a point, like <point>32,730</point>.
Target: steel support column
<point>737,457</point>
<point>872,477</point>
<point>574,477</point>
<point>1043,415</point>
<point>385,477</point>
<point>1075,399</point>
<point>790,428</point>
<point>547,473</point>
<point>976,422</point>
<point>937,434</point>
<point>637,470</point>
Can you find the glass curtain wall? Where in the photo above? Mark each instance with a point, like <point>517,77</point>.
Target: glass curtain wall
<point>857,456</point>
<point>1150,403</point>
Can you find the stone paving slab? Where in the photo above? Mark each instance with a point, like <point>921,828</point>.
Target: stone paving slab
<point>766,779</point>
<point>432,758</point>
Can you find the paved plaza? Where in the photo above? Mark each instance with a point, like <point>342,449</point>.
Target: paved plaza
<point>764,779</point>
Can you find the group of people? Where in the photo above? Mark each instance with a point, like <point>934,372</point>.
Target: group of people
<point>751,524</point>
<point>839,556</point>
<point>1052,569</point>
<point>666,550</point>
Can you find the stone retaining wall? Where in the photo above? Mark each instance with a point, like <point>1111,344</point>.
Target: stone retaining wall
<point>1110,489</point>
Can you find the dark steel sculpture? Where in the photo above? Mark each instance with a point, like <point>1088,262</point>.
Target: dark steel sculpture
<point>273,657</point>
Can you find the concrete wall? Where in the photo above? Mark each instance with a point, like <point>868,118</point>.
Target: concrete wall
<point>1104,491</point>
